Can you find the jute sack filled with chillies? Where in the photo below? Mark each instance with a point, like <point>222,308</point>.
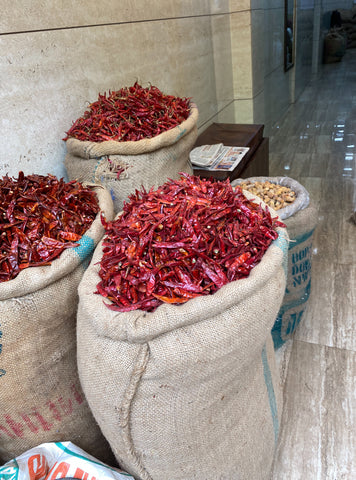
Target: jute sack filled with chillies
<point>300,216</point>
<point>135,136</point>
<point>40,394</point>
<point>190,390</point>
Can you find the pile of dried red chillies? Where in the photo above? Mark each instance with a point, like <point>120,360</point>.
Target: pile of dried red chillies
<point>130,114</point>
<point>185,239</point>
<point>40,216</point>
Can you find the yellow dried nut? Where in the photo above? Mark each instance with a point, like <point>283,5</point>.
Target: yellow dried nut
<point>274,195</point>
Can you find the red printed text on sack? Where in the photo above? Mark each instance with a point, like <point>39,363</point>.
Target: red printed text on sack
<point>42,419</point>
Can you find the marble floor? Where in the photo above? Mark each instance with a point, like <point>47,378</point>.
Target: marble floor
<point>315,143</point>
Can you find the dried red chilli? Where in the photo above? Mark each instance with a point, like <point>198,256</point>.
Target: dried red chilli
<point>130,114</point>
<point>186,239</point>
<point>40,216</point>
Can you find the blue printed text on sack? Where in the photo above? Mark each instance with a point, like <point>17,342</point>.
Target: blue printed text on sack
<point>301,266</point>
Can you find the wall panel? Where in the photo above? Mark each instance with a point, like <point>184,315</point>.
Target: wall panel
<point>47,78</point>
<point>55,57</point>
<point>30,15</point>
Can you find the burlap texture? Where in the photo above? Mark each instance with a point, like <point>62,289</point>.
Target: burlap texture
<point>300,218</point>
<point>148,162</point>
<point>187,391</point>
<point>40,395</point>
<point>300,227</point>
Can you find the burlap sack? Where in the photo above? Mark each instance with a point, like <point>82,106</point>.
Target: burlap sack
<point>301,218</point>
<point>334,47</point>
<point>40,395</point>
<point>122,167</point>
<point>302,194</point>
<point>189,391</point>
<point>348,15</point>
<point>300,228</point>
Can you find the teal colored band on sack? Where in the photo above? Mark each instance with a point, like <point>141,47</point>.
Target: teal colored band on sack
<point>277,330</point>
<point>181,133</point>
<point>282,243</point>
<point>93,178</point>
<point>303,298</point>
<point>85,248</point>
<point>302,238</point>
<point>271,395</point>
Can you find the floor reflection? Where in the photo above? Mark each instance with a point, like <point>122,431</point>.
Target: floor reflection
<point>315,144</point>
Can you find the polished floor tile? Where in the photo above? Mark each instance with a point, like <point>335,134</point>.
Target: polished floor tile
<point>283,358</point>
<point>330,316</point>
<point>315,143</point>
<point>337,194</point>
<point>317,440</point>
<point>313,186</point>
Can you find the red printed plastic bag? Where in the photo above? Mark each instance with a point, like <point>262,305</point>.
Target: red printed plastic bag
<point>51,461</point>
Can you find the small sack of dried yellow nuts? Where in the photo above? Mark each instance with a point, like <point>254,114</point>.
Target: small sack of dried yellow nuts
<point>283,194</point>
<point>276,196</point>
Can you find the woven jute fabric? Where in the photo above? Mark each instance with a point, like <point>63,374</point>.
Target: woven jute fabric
<point>123,167</point>
<point>40,394</point>
<point>300,218</point>
<point>300,227</point>
<point>188,391</point>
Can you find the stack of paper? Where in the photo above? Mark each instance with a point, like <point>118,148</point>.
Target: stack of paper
<point>217,157</point>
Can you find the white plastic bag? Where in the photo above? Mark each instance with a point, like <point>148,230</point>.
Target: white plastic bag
<point>51,461</point>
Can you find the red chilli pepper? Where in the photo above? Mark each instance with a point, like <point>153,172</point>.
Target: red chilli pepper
<point>188,238</point>
<point>130,114</point>
<point>40,216</point>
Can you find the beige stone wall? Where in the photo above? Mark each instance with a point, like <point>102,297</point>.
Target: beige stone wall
<point>57,56</point>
